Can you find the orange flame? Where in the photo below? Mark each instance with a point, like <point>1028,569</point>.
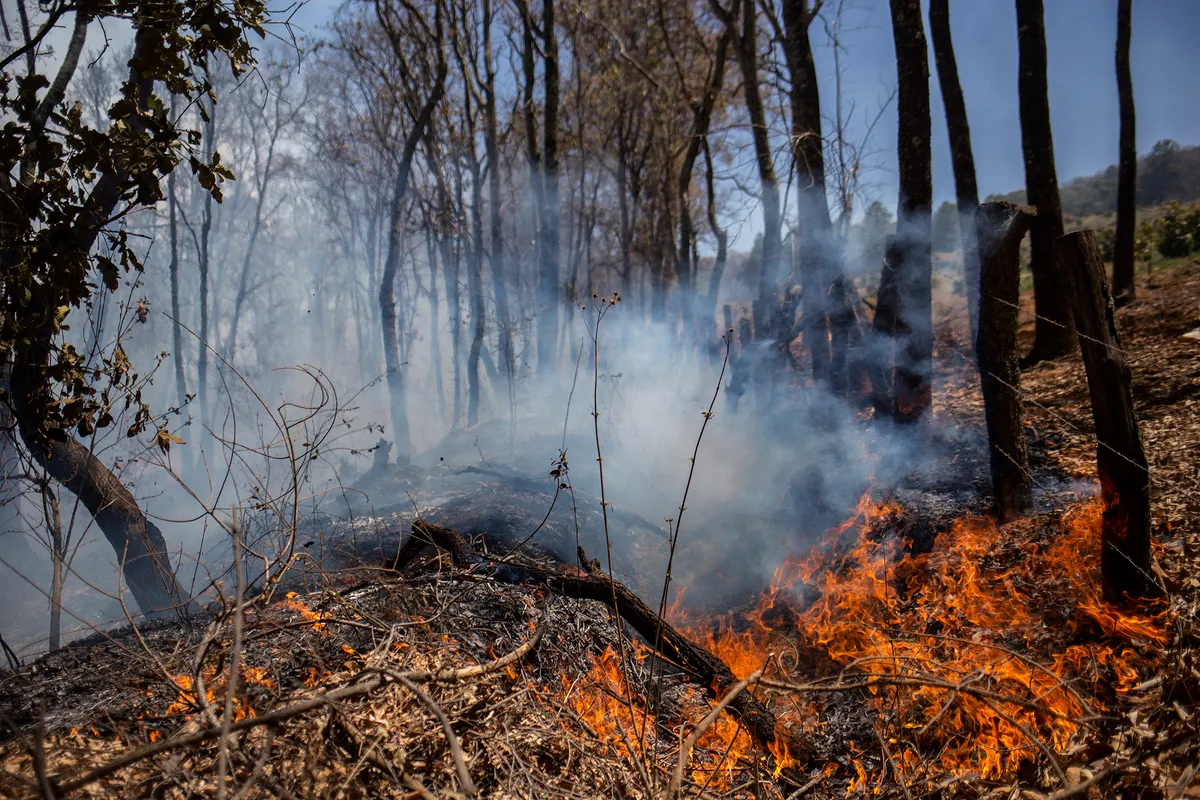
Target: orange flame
<point>962,616</point>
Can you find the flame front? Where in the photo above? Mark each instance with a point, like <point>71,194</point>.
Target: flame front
<point>962,650</point>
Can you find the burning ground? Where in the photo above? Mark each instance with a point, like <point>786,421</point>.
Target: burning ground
<point>915,648</point>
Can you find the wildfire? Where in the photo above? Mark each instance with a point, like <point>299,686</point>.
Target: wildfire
<point>292,602</point>
<point>945,642</point>
<point>186,701</point>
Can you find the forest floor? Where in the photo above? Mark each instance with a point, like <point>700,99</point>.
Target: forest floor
<point>987,668</point>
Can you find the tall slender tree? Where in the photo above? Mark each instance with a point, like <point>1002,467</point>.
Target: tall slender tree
<point>1123,288</point>
<point>745,45</point>
<point>405,32</point>
<point>912,385</point>
<point>962,158</point>
<point>1052,329</point>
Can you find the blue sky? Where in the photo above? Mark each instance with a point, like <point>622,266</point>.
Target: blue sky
<point>1081,38</point>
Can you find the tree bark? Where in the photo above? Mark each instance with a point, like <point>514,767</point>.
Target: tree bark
<point>1001,228</point>
<point>1123,285</point>
<point>912,388</point>
<point>492,147</point>
<point>962,158</point>
<point>1120,460</point>
<point>389,321</point>
<point>745,46</point>
<point>701,120</point>
<point>820,260</point>
<point>139,545</point>
<point>1052,328</point>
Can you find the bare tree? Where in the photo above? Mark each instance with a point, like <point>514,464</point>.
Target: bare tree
<point>913,378</point>
<point>745,46</point>
<point>1123,286</point>
<point>1052,329</point>
<point>417,49</point>
<point>961,156</point>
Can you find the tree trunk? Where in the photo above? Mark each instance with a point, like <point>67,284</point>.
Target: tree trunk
<point>718,272</point>
<point>173,271</point>
<point>475,289</point>
<point>701,120</point>
<point>433,247</point>
<point>966,189</point>
<point>545,168</point>
<point>1120,460</point>
<point>389,322</point>
<point>205,411</point>
<point>492,146</point>
<point>817,256</point>
<point>914,365</point>
<point>1001,228</point>
<point>450,274</point>
<point>885,327</point>
<point>139,545</point>
<point>1123,287</point>
<point>746,47</point>
<point>1052,328</point>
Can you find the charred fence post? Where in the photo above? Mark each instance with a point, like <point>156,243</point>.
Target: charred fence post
<point>1001,227</point>
<point>1120,460</point>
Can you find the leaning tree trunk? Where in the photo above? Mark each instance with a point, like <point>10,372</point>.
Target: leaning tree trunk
<point>389,319</point>
<point>1125,557</point>
<point>962,158</point>
<point>912,392</point>
<point>1122,280</point>
<point>139,545</point>
<point>1052,328</point>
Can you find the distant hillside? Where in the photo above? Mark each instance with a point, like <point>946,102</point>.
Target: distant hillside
<point>1168,172</point>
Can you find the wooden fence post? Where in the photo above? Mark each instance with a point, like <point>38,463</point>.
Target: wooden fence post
<point>1001,227</point>
<point>1120,459</point>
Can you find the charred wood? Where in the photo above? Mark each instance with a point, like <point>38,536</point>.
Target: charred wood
<point>1120,458</point>
<point>1001,227</point>
<point>699,665</point>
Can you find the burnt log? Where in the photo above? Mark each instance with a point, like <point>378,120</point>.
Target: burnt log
<point>1001,227</point>
<point>697,664</point>
<point>1120,459</point>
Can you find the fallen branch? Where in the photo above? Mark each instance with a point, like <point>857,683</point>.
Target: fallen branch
<point>699,665</point>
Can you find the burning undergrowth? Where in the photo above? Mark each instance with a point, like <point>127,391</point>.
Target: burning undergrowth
<point>915,648</point>
<point>987,662</point>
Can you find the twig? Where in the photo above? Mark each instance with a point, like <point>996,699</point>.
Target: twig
<point>370,681</point>
<point>460,761</point>
<point>685,750</point>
